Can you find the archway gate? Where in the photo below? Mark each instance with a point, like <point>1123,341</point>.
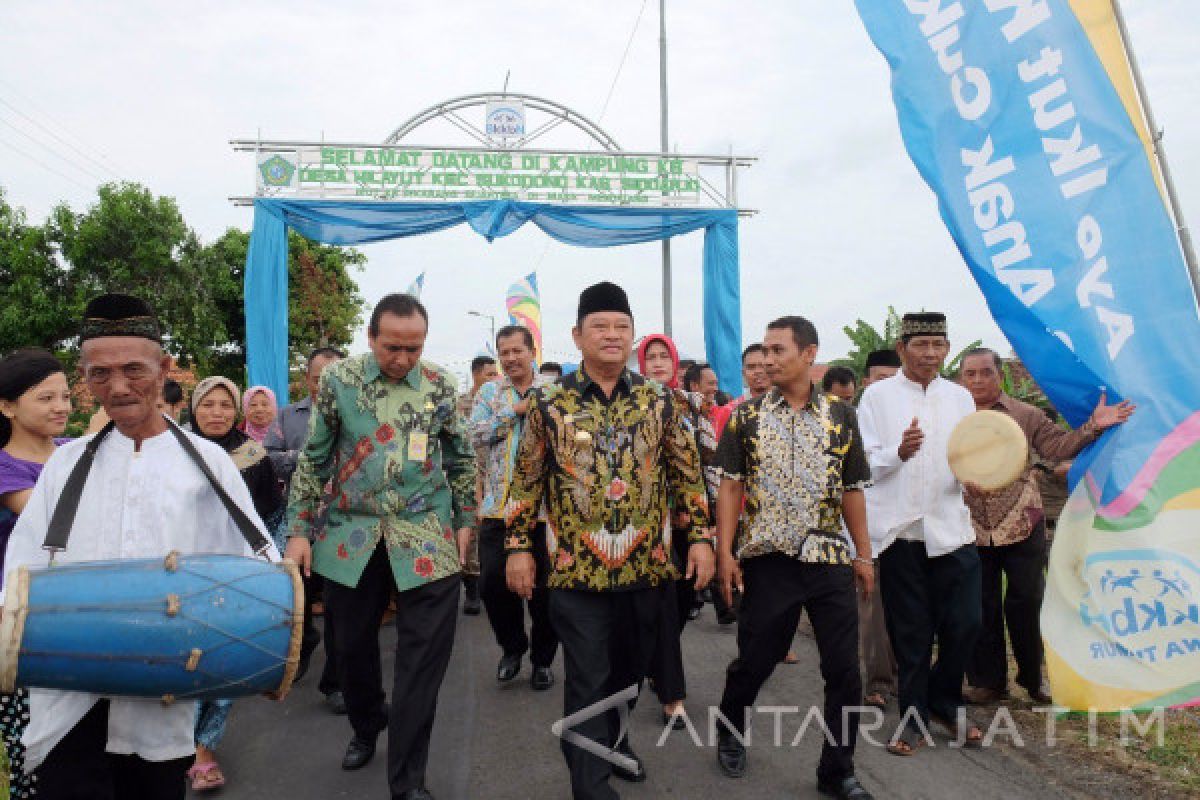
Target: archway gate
<point>355,193</point>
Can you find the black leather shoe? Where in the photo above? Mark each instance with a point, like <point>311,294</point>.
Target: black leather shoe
<point>727,618</point>
<point>336,702</point>
<point>633,776</point>
<point>358,753</point>
<point>731,755</point>
<point>414,794</point>
<point>542,679</point>
<point>508,668</point>
<point>471,604</point>
<point>846,789</point>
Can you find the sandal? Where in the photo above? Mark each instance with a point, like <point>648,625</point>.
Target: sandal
<point>206,777</point>
<point>974,737</point>
<point>906,744</point>
<point>790,658</point>
<point>876,699</point>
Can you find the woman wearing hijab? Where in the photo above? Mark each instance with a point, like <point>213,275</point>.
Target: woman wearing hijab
<point>259,405</point>
<point>658,359</point>
<point>214,414</point>
<point>35,402</point>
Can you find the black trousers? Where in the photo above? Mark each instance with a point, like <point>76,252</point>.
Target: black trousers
<point>78,768</point>
<point>1020,606</point>
<point>608,639</point>
<point>666,666</point>
<point>777,589</point>
<point>926,600</point>
<point>312,636</point>
<point>719,605</point>
<point>505,610</point>
<point>425,620</point>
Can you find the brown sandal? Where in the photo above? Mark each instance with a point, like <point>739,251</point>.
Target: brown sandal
<point>906,744</point>
<point>974,737</point>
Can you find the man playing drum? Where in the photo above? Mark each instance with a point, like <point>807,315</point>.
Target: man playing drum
<point>144,499</point>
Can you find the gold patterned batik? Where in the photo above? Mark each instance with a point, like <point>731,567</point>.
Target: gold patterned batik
<point>795,464</point>
<point>608,470</point>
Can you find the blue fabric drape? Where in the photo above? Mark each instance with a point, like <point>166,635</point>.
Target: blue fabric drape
<point>356,222</point>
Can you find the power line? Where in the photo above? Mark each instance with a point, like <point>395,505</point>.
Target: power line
<point>44,165</point>
<point>54,135</point>
<point>52,152</point>
<point>114,165</point>
<point>620,66</point>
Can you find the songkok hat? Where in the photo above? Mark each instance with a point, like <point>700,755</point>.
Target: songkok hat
<point>119,315</point>
<point>208,384</point>
<point>883,358</point>
<point>923,323</point>
<point>603,296</point>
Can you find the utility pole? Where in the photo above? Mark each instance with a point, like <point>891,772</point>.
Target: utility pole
<point>1156,136</point>
<point>662,111</point>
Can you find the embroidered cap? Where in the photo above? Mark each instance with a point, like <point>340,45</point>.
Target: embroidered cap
<point>119,315</point>
<point>923,323</point>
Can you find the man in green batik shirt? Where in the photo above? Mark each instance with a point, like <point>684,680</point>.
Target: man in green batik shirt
<point>385,433</point>
<point>609,453</point>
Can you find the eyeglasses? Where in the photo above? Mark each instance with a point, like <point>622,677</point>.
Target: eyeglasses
<point>134,373</point>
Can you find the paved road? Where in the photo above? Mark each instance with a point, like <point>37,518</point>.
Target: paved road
<point>494,742</point>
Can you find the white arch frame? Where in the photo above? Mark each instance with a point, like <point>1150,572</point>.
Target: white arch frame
<point>448,110</point>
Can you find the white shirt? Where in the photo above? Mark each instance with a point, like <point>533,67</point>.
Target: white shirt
<point>134,505</point>
<point>923,489</point>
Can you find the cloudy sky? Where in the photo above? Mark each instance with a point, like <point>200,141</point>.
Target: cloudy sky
<point>152,92</point>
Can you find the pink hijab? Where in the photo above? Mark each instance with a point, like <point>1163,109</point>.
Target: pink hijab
<point>257,432</point>
<point>670,345</point>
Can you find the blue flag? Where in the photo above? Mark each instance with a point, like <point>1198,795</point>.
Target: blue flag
<point>1023,122</point>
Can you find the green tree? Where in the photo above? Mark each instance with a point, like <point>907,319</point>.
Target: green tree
<point>35,311</point>
<point>324,303</point>
<point>866,339</point>
<point>132,241</point>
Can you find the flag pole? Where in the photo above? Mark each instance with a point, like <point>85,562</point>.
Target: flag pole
<point>1156,136</point>
<point>662,122</point>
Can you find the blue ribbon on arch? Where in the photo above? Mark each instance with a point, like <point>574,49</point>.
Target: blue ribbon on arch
<point>339,222</point>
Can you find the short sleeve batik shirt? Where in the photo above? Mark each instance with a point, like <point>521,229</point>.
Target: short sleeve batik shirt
<point>795,464</point>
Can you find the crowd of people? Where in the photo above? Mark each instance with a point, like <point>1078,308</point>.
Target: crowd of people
<point>603,504</point>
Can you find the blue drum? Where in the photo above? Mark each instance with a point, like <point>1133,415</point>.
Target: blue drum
<point>187,627</point>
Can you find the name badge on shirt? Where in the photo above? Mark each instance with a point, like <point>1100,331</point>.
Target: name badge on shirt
<point>418,445</point>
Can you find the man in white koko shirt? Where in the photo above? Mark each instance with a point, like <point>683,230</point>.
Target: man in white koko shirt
<point>144,497</point>
<point>921,530</point>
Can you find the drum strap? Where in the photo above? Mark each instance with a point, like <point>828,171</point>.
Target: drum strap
<point>68,502</point>
<point>63,517</point>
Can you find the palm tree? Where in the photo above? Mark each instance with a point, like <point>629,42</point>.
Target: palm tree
<point>866,339</point>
